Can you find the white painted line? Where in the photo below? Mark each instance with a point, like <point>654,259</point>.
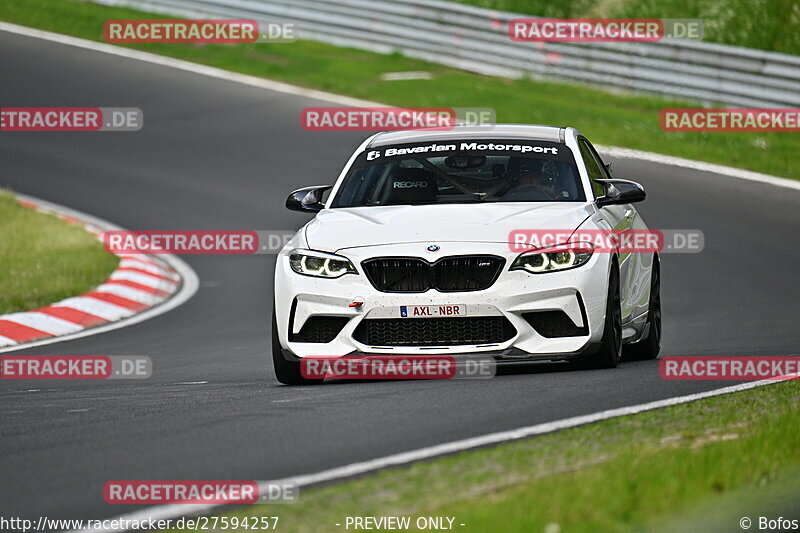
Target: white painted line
<point>286,88</point>
<point>187,66</point>
<point>629,153</point>
<point>187,290</point>
<point>163,512</point>
<point>42,322</point>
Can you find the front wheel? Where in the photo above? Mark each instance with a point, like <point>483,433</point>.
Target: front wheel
<point>650,345</point>
<point>287,372</point>
<point>611,344</point>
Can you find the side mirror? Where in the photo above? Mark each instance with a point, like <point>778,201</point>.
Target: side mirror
<point>307,199</point>
<point>620,192</point>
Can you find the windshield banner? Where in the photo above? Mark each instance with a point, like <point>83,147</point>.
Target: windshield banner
<point>538,149</point>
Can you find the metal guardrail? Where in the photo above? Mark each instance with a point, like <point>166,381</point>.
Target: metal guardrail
<point>476,39</point>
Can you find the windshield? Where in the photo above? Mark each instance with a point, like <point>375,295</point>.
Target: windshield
<point>461,172</point>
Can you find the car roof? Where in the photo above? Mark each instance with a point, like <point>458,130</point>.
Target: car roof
<point>486,131</point>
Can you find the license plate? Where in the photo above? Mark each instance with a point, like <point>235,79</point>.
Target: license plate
<point>427,311</point>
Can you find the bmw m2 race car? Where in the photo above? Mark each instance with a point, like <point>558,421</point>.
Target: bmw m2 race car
<point>417,251</point>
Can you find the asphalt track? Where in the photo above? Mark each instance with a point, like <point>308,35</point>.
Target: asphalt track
<point>219,155</point>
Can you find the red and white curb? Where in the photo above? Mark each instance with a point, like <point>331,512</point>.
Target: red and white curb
<point>142,286</point>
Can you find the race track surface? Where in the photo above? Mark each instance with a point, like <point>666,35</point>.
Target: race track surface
<point>218,155</point>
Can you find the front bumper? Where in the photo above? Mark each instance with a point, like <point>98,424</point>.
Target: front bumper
<point>580,293</point>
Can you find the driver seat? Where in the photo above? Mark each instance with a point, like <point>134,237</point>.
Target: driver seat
<point>410,186</point>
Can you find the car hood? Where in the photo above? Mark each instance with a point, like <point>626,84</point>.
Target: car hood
<point>341,228</point>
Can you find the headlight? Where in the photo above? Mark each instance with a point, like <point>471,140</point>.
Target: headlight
<point>554,259</point>
<point>320,264</point>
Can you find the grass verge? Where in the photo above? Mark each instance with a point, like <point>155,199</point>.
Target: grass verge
<point>605,117</point>
<point>693,467</point>
<point>44,259</point>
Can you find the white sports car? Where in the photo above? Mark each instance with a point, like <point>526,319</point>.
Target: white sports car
<point>415,251</point>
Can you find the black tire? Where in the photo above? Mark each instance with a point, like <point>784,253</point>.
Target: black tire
<point>287,372</point>
<point>650,345</point>
<point>610,351</point>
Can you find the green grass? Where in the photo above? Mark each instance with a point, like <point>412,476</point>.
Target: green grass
<point>605,117</point>
<point>705,462</point>
<point>766,25</point>
<point>44,259</point>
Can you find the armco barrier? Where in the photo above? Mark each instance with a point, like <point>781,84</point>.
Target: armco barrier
<point>476,39</point>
